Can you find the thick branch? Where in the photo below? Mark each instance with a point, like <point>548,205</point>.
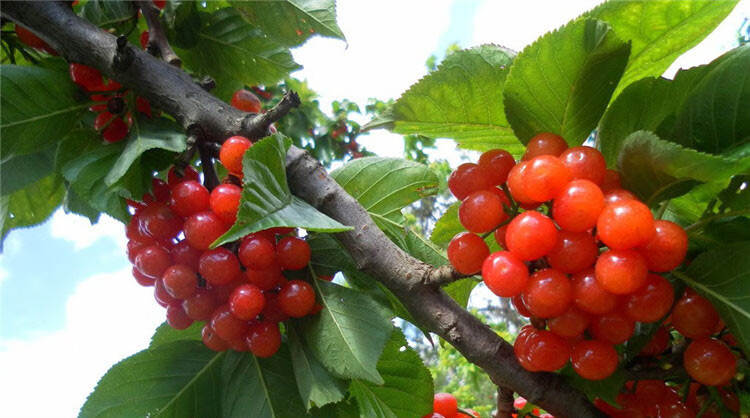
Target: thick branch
<point>173,91</point>
<point>157,38</point>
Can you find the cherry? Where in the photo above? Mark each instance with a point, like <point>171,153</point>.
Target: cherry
<point>257,252</point>
<point>481,212</point>
<point>177,318</point>
<point>161,295</point>
<point>297,298</point>
<point>202,229</point>
<point>141,278</point>
<point>264,338</point>
<point>531,235</point>
<point>189,174</point>
<point>497,163</point>
<point>231,153</point>
<point>710,362</point>
<point>189,197</point>
<point>545,143</point>
<point>504,274</point>
<point>618,195</point>
<point>158,221</point>
<point>219,266</point>
<point>266,279</point>
<point>657,344</point>
<point>467,179</point>
<point>520,306</point>
<point>200,305</point>
<point>570,323</point>
<point>585,163</point>
<point>578,205</point>
<point>668,247</point>
<point>153,261</point>
<point>693,316</point>
<point>212,340</point>
<point>245,101</point>
<point>225,201</point>
<point>519,346</point>
<point>183,253</point>
<point>499,235</point>
<point>292,253</point>
<point>180,281</point>
<point>466,253</point>
<point>89,78</point>
<point>651,302</point>
<point>573,252</point>
<point>593,360</point>
<point>626,224</point>
<point>546,351</point>
<point>548,293</point>
<point>589,296</point>
<point>113,127</point>
<point>517,184</point>
<point>545,176</point>
<point>611,180</point>
<point>445,404</point>
<point>160,190</point>
<point>135,245</point>
<point>621,271</point>
<point>247,301</point>
<point>614,328</point>
<point>272,312</point>
<point>227,326</point>
<point>143,39</point>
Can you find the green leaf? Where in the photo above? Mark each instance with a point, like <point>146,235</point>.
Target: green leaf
<point>39,108</point>
<point>644,105</point>
<point>73,203</point>
<point>316,385</point>
<point>673,28</point>
<point>31,205</point>
<point>266,201</point>
<point>606,389</point>
<point>716,116</point>
<point>292,22</point>
<point>350,332</point>
<point>259,387</point>
<point>563,82</point>
<point>108,13</point>
<point>722,275</point>
<point>407,390</point>
<point>329,257</point>
<point>146,134</point>
<point>18,172</point>
<point>228,48</point>
<point>657,170</point>
<point>165,334</point>
<point>462,99</point>
<point>177,379</point>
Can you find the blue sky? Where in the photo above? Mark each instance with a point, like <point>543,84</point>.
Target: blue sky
<point>68,306</point>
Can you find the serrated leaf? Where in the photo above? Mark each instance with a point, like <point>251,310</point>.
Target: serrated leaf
<point>39,108</point>
<point>228,48</point>
<point>316,385</point>
<point>108,13</point>
<point>31,205</point>
<point>383,186</point>
<point>563,82</point>
<point>146,134</point>
<point>350,332</point>
<point>716,116</point>
<point>657,170</point>
<point>266,201</point>
<point>255,387</point>
<point>292,22</point>
<point>73,203</point>
<point>177,379</point>
<point>722,275</point>
<point>407,390</point>
<point>165,334</point>
<point>18,172</point>
<point>643,105</point>
<point>462,99</point>
<point>673,28</point>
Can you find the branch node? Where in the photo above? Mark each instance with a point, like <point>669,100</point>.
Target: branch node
<point>207,83</point>
<point>256,125</point>
<point>158,45</point>
<point>124,56</point>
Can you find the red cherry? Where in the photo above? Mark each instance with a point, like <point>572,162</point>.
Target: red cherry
<point>231,153</point>
<point>225,201</point>
<point>467,179</point>
<point>189,197</point>
<point>497,163</point>
<point>625,224</point>
<point>578,205</point>
<point>158,221</point>
<point>545,178</point>
<point>531,235</point>
<point>589,296</point>
<point>247,301</point>
<point>573,252</point>
<point>621,271</point>
<point>504,274</point>
<point>445,404</point>
<point>570,323</point>
<point>585,163</point>
<point>153,261</point>
<point>481,211</point>
<point>614,328</point>
<point>710,362</point>
<point>189,174</point>
<point>548,293</point>
<point>180,281</point>
<point>546,351</point>
<point>200,305</point>
<point>297,298</point>
<point>264,338</point>
<point>219,266</point>
<point>246,101</point>
<point>467,252</point>
<point>202,229</point>
<point>89,78</point>
<point>545,143</point>
<point>177,318</point>
<point>228,327</point>
<point>292,253</point>
<point>257,253</point>
<point>693,316</point>
<point>594,360</point>
<point>211,340</point>
<point>668,247</point>
<point>651,302</point>
<point>141,278</point>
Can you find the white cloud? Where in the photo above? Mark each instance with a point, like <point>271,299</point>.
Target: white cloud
<point>79,231</point>
<point>108,317</point>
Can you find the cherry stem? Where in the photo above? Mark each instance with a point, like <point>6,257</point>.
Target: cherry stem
<point>210,178</point>
<point>505,408</point>
<point>157,38</point>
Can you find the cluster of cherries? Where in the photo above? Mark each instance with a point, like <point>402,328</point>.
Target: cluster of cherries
<point>581,259</point>
<point>240,291</point>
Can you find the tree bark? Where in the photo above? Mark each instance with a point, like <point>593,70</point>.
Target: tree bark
<point>173,91</point>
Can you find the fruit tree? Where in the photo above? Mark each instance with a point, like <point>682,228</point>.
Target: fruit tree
<point>608,204</point>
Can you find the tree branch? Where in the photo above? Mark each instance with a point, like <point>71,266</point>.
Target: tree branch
<point>173,91</point>
<point>505,408</point>
<point>444,275</point>
<point>157,38</point>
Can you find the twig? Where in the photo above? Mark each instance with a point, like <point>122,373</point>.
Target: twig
<point>157,38</point>
<point>210,178</point>
<point>444,275</point>
<point>256,125</point>
<point>186,156</point>
<point>505,408</point>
